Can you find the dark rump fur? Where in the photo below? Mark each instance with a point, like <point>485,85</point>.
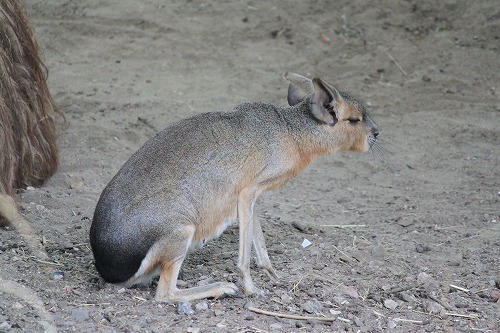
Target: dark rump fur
<point>28,152</point>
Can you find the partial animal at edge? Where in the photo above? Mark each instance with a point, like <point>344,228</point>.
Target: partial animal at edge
<point>28,151</point>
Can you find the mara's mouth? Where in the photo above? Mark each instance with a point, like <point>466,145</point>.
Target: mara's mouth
<point>371,142</point>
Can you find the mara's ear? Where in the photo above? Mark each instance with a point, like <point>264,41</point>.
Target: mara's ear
<point>323,101</point>
<point>299,89</point>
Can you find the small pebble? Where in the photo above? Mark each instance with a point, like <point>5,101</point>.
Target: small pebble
<point>80,314</point>
<point>340,300</point>
<point>5,326</point>
<point>184,308</point>
<point>495,294</point>
<point>350,291</point>
<point>390,304</point>
<point>358,322</point>
<point>58,275</point>
<point>422,248</point>
<point>193,330</point>
<point>405,296</point>
<point>377,251</point>
<point>312,306</point>
<point>17,306</point>
<point>301,226</point>
<point>275,326</point>
<point>77,185</point>
<point>201,306</point>
<point>423,278</point>
<point>432,307</point>
<point>286,299</point>
<point>219,313</point>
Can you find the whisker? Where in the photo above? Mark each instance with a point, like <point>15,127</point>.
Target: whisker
<point>378,155</point>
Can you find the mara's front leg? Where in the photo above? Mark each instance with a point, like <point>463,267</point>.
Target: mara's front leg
<point>259,244</point>
<point>246,202</point>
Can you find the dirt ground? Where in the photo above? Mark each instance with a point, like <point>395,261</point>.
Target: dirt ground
<point>404,241</point>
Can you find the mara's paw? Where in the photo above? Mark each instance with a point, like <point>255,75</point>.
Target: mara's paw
<point>271,273</point>
<point>255,292</point>
<point>227,289</point>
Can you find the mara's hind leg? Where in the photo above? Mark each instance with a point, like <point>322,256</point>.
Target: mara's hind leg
<point>168,292</point>
<point>171,255</point>
<point>9,211</point>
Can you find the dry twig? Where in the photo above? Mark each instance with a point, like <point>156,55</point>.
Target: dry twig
<point>396,63</point>
<point>288,316</point>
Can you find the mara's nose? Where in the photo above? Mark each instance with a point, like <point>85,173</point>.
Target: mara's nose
<point>375,132</point>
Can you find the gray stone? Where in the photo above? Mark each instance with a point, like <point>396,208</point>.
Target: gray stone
<point>80,314</point>
<point>390,304</point>
<point>201,306</point>
<point>312,306</point>
<point>184,308</point>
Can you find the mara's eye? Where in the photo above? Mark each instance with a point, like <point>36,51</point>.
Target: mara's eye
<point>353,120</point>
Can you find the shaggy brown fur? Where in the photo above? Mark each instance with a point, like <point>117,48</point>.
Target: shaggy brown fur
<point>28,152</point>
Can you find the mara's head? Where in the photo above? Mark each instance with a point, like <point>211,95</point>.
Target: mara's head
<point>342,116</point>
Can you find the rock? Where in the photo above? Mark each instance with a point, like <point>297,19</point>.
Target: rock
<point>286,299</point>
<point>405,296</point>
<point>248,305</point>
<point>201,306</point>
<point>378,251</point>
<point>422,248</point>
<point>432,307</point>
<point>193,330</point>
<point>350,291</point>
<point>5,326</point>
<point>184,308</point>
<point>495,294</point>
<point>58,275</point>
<point>77,185</point>
<point>219,313</point>
<point>17,306</point>
<point>390,304</point>
<point>335,312</point>
<point>68,245</point>
<point>358,322</point>
<point>340,300</point>
<point>424,278</point>
<point>80,314</point>
<point>301,226</point>
<point>275,326</point>
<point>312,306</point>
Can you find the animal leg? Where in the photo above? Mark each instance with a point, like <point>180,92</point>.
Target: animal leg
<point>259,244</point>
<point>8,209</point>
<point>246,202</point>
<point>168,292</point>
